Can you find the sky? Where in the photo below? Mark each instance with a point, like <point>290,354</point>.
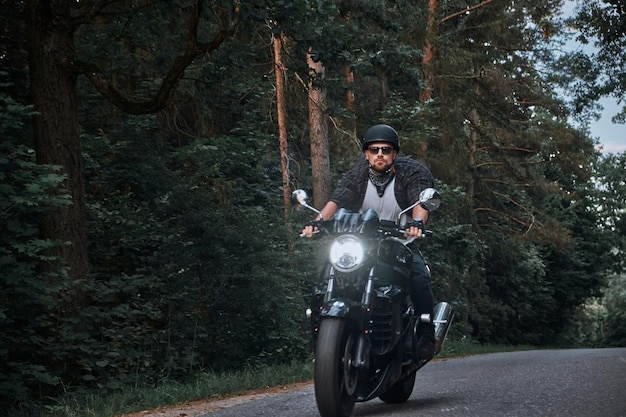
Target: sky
<point>612,137</point>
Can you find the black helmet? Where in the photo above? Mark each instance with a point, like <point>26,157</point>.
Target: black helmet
<point>380,133</point>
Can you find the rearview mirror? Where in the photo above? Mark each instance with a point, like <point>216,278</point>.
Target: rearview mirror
<point>299,201</point>
<point>430,199</point>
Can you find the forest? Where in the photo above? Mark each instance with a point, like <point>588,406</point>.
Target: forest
<point>148,149</point>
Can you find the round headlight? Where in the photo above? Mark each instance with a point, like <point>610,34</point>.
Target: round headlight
<point>347,253</point>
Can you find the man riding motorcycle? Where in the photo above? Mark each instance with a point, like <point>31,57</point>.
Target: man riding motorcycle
<point>388,184</point>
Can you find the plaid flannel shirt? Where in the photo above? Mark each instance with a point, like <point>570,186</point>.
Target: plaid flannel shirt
<point>412,176</point>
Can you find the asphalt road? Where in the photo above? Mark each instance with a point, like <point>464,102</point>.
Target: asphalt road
<point>540,383</point>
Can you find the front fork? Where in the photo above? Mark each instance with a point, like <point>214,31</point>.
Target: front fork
<point>362,354</point>
<point>361,357</point>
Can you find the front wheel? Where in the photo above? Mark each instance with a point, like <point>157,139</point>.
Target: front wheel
<point>400,391</point>
<point>334,373</point>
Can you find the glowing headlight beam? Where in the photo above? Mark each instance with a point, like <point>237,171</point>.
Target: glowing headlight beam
<point>347,253</point>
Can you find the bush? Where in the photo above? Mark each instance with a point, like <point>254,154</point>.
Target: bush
<point>30,299</point>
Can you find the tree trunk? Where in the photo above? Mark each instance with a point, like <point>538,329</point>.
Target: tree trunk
<point>318,128</point>
<point>384,88</point>
<point>429,51</point>
<point>349,78</point>
<point>282,127</point>
<point>57,135</point>
<point>473,149</point>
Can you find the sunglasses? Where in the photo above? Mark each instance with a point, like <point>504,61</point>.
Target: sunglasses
<point>386,150</point>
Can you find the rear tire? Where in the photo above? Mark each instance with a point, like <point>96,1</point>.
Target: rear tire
<point>400,391</point>
<point>334,373</point>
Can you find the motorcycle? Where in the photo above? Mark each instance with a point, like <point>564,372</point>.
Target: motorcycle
<point>363,325</point>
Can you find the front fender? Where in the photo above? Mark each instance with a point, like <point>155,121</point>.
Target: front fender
<point>343,308</point>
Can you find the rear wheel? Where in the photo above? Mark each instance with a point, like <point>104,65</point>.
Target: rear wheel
<point>334,373</point>
<point>400,391</point>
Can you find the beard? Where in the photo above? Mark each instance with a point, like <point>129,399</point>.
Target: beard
<point>380,166</point>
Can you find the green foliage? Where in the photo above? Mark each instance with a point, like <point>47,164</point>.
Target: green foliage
<point>587,327</point>
<point>519,286</point>
<point>187,286</point>
<point>29,298</point>
<point>599,73</point>
<point>456,257</point>
<point>615,301</point>
<point>610,201</point>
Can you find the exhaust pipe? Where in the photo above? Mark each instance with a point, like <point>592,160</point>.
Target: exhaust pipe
<point>442,318</point>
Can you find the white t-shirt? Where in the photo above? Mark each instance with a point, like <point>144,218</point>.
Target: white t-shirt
<point>386,206</point>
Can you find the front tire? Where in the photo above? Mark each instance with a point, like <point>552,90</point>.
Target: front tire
<point>334,372</point>
<point>400,391</point>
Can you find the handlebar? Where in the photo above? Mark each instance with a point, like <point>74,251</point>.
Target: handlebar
<point>387,227</point>
<point>390,227</point>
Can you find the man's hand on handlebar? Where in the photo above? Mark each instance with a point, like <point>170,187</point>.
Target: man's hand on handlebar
<point>414,229</point>
<point>310,229</point>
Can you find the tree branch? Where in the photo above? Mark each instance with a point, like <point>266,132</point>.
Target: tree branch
<point>488,164</point>
<point>507,216</point>
<point>159,101</point>
<point>467,10</point>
